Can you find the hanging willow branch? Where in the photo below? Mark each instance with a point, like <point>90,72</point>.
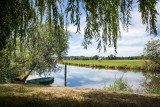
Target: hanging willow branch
<point>103,18</point>
<point>149,14</point>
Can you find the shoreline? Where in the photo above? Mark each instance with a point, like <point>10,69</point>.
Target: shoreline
<point>99,66</point>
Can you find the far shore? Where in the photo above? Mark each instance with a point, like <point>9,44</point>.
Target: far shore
<point>108,64</point>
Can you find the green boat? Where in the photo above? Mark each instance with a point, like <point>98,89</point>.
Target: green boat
<point>42,80</point>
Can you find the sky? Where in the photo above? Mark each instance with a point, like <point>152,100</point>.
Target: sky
<point>130,43</point>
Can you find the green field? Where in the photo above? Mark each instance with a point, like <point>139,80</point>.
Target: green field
<point>130,63</point>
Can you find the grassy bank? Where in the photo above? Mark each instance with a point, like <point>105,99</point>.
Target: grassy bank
<point>119,64</point>
<point>20,95</point>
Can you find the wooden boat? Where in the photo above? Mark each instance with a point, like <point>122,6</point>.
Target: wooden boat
<point>41,80</point>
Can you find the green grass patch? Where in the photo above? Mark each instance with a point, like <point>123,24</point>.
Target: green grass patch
<point>108,62</point>
<point>115,64</point>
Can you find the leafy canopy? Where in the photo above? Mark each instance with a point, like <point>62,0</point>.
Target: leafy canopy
<point>106,16</point>
<point>39,53</point>
<point>152,51</point>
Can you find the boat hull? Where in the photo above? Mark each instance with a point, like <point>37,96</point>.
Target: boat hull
<point>41,80</point>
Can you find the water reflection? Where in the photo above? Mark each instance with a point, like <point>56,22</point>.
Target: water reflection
<point>95,78</point>
<point>152,82</point>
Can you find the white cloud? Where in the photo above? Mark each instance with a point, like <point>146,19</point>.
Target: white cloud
<point>83,52</point>
<point>131,43</point>
<point>73,29</point>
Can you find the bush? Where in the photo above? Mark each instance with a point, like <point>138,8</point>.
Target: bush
<point>152,52</point>
<point>151,66</point>
<point>120,85</point>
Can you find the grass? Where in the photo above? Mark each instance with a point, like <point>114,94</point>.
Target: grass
<point>108,63</point>
<point>120,84</point>
<point>24,95</point>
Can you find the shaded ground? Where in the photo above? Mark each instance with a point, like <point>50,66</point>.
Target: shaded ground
<point>20,95</point>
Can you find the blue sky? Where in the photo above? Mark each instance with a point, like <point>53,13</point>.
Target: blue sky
<point>130,43</point>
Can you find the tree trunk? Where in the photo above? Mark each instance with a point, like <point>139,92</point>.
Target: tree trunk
<point>32,67</point>
<point>26,76</point>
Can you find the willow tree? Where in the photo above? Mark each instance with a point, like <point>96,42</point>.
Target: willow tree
<point>31,42</point>
<point>6,69</point>
<point>103,19</point>
<point>39,53</point>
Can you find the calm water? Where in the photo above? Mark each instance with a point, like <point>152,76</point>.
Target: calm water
<point>97,78</point>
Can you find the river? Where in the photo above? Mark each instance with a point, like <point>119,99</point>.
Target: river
<point>82,77</point>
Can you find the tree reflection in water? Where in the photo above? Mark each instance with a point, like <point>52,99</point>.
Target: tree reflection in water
<point>152,82</point>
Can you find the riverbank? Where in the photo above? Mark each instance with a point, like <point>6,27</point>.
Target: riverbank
<point>28,95</point>
<point>107,64</point>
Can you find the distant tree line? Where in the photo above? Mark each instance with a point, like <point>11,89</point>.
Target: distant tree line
<point>110,57</point>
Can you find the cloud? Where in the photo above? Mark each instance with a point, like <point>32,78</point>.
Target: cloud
<point>130,43</point>
<point>73,29</point>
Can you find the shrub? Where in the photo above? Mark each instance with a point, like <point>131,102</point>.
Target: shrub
<point>152,52</point>
<point>120,85</point>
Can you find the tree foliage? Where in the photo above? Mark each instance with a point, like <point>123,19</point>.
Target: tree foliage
<point>22,24</point>
<point>152,51</point>
<point>153,86</point>
<point>4,66</point>
<point>106,16</point>
<point>40,53</point>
